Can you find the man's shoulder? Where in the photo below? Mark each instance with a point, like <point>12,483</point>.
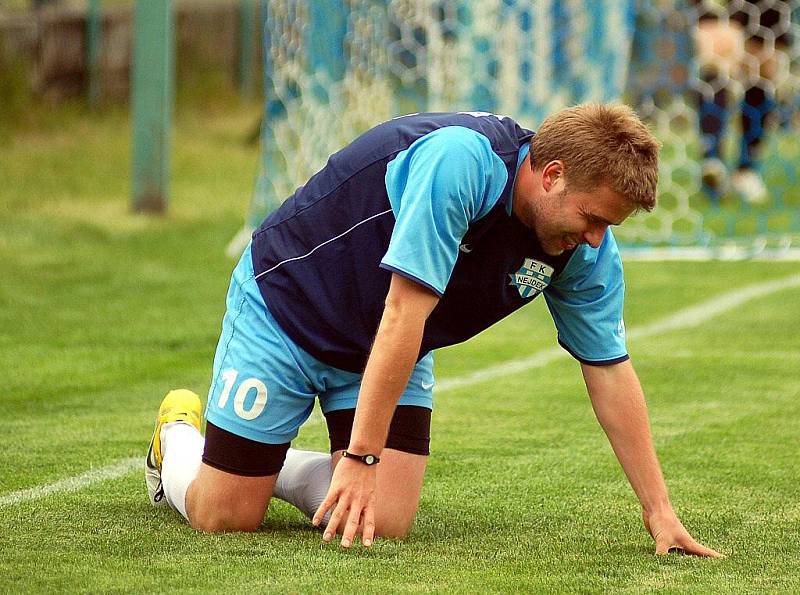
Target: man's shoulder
<point>504,134</point>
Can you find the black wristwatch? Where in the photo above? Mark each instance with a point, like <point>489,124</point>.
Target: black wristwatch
<point>366,459</point>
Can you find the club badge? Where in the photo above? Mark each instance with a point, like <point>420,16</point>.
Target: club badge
<point>532,278</point>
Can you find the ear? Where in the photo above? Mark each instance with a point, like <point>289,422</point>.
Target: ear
<point>552,172</point>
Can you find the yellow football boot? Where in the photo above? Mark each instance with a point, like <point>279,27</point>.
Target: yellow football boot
<point>180,405</point>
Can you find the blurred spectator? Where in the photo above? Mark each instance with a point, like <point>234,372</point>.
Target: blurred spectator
<point>744,43</point>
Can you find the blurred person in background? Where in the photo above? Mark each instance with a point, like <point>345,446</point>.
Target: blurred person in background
<point>745,45</point>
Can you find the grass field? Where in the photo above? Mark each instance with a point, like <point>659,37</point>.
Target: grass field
<point>102,311</point>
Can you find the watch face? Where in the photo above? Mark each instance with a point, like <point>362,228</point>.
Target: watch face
<point>369,459</point>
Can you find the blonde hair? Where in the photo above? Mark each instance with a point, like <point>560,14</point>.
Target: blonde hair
<point>601,145</point>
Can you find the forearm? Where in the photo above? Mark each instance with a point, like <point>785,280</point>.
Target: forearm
<point>389,367</point>
<point>619,404</point>
<point>391,362</point>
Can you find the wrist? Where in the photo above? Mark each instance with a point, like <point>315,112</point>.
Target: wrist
<point>657,507</point>
<point>361,447</point>
<point>367,459</point>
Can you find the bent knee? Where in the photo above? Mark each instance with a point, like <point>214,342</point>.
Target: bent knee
<point>396,528</point>
<point>219,520</point>
<point>221,524</point>
<point>217,515</point>
<point>218,501</point>
<point>394,533</point>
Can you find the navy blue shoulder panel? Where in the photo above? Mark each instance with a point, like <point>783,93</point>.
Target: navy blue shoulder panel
<point>379,145</point>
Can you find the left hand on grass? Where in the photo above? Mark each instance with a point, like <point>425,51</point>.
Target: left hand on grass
<point>671,536</point>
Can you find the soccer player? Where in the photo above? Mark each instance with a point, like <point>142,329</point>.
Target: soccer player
<point>423,232</point>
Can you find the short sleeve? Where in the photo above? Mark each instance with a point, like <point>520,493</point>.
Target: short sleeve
<point>586,302</point>
<point>437,186</point>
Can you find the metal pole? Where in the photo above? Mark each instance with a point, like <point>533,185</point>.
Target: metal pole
<point>246,47</point>
<point>152,98</point>
<point>264,199</point>
<point>93,41</point>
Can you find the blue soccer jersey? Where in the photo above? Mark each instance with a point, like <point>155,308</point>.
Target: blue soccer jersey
<point>427,196</point>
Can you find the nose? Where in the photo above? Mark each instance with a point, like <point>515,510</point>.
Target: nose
<point>594,235</point>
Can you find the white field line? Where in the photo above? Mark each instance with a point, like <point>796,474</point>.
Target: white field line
<point>72,484</point>
<point>727,355</point>
<point>687,318</point>
<point>723,253</point>
<point>690,317</point>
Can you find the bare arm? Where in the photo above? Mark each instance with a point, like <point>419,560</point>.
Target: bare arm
<point>391,361</point>
<point>618,402</point>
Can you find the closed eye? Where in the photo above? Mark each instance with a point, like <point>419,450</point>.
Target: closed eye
<point>599,221</point>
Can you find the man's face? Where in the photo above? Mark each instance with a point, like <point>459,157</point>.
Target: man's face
<point>563,219</point>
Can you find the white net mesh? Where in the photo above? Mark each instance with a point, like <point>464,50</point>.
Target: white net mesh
<point>333,68</point>
<point>718,81</point>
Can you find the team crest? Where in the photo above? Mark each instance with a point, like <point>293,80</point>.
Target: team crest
<point>532,278</point>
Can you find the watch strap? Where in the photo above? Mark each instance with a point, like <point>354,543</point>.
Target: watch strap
<point>367,459</point>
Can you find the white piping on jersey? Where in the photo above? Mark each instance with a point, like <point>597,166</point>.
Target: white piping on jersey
<point>315,248</point>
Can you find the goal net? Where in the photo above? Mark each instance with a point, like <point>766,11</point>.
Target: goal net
<point>334,68</point>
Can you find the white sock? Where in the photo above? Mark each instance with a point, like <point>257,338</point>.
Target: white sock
<point>304,480</point>
<point>182,445</point>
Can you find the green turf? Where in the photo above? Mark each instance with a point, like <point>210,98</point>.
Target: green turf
<point>102,311</point>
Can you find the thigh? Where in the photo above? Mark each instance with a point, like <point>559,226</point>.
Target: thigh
<point>258,390</point>
<point>342,388</point>
<point>220,501</point>
<point>400,476</point>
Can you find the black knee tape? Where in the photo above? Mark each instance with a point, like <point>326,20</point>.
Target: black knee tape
<point>233,454</point>
<point>410,430</point>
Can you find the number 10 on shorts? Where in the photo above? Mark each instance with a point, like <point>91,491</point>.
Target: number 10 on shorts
<point>229,378</point>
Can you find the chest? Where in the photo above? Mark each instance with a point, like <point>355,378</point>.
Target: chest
<point>501,254</point>
<point>500,268</point>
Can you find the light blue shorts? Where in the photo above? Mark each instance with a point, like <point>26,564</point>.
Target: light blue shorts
<point>264,385</point>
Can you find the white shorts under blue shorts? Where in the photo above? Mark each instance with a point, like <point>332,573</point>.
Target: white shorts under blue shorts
<point>264,385</point>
